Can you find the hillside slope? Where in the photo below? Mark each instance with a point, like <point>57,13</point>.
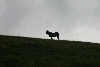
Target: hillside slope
<point>34,52</point>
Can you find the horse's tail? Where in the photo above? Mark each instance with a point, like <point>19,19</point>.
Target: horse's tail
<point>57,35</point>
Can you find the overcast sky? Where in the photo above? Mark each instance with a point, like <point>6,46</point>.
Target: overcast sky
<point>73,19</point>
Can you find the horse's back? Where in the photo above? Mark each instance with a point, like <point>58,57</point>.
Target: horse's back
<point>56,33</point>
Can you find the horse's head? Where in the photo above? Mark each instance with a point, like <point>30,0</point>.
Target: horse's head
<point>47,32</point>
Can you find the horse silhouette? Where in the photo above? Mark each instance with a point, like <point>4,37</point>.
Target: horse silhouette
<point>52,34</point>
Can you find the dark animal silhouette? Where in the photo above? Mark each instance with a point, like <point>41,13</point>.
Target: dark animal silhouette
<point>52,34</point>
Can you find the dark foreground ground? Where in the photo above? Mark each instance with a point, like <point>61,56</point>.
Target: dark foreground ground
<point>35,52</point>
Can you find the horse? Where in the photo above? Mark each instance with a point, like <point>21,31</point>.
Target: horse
<point>52,34</point>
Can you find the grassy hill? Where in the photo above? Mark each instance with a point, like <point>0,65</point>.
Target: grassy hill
<point>34,52</point>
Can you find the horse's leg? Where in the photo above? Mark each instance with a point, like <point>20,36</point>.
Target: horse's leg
<point>58,36</point>
<point>51,37</point>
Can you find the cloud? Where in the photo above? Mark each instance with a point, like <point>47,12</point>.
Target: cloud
<point>15,11</point>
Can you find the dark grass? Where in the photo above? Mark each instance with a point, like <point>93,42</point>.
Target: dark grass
<point>34,52</point>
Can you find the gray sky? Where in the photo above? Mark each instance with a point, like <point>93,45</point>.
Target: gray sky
<point>73,19</point>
